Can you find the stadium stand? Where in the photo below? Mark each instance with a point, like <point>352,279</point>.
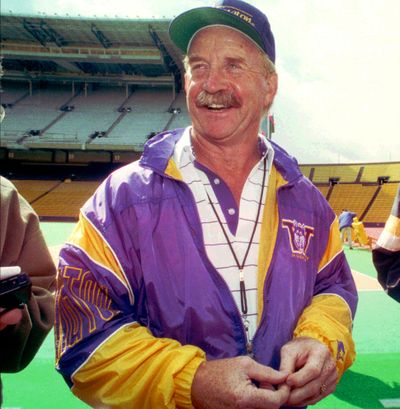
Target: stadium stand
<point>181,118</point>
<point>382,204</point>
<point>351,196</point>
<point>345,173</point>
<point>60,200</point>
<point>32,190</point>
<point>373,171</point>
<point>149,113</point>
<point>29,115</point>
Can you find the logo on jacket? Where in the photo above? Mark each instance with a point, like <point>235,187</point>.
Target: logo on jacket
<point>340,351</point>
<point>299,237</point>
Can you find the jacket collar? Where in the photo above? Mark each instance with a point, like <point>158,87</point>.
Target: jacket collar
<point>159,150</point>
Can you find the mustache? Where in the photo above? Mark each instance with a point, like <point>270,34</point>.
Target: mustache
<point>224,98</point>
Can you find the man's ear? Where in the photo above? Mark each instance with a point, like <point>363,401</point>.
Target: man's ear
<point>272,84</point>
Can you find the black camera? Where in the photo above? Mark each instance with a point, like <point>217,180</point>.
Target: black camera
<point>15,291</point>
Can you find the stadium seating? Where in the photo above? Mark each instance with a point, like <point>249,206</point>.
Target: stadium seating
<point>381,207</point>
<point>345,173</point>
<point>350,173</point>
<point>148,114</point>
<point>94,112</point>
<point>64,201</point>
<point>83,126</point>
<point>352,196</point>
<point>33,112</point>
<point>374,170</point>
<point>33,189</point>
<point>182,119</point>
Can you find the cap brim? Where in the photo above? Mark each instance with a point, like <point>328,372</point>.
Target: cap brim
<point>184,26</point>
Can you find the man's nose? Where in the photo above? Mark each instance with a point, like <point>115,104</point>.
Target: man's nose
<point>216,80</point>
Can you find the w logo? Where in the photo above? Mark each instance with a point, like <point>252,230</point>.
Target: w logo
<point>299,236</point>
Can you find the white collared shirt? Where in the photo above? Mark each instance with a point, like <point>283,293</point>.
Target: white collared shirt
<point>216,244</point>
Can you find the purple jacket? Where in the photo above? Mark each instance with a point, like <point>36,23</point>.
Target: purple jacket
<point>137,258</point>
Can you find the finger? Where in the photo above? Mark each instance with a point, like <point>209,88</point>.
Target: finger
<point>312,369</point>
<point>314,391</point>
<point>265,398</point>
<point>265,374</point>
<point>304,393</point>
<point>11,317</point>
<point>288,360</point>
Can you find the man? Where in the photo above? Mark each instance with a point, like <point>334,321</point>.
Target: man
<point>22,331</point>
<point>345,226</point>
<point>386,254</point>
<point>208,274</point>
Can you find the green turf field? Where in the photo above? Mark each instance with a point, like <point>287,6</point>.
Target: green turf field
<point>372,382</point>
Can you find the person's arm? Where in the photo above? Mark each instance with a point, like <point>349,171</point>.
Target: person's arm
<point>386,254</point>
<point>23,245</point>
<point>322,347</point>
<point>106,356</point>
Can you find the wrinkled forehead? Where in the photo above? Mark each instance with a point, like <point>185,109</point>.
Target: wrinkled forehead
<point>224,33</point>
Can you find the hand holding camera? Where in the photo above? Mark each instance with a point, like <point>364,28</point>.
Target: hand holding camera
<point>15,292</point>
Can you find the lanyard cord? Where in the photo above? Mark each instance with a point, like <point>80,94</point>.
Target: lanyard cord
<point>243,298</point>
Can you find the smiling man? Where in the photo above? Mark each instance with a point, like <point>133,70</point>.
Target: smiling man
<point>210,273</point>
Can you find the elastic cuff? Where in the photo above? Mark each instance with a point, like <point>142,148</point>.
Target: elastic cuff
<point>183,384</point>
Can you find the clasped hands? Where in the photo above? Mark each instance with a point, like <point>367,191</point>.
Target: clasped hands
<point>306,375</point>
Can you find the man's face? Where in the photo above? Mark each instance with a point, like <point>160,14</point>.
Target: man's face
<point>227,85</point>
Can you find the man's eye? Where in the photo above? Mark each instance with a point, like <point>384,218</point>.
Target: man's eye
<point>198,67</point>
<point>235,68</point>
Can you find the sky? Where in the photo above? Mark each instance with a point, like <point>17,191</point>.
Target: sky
<point>338,63</point>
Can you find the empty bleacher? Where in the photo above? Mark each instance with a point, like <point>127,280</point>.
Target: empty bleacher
<point>357,187</point>
<point>33,112</point>
<point>182,119</point>
<point>92,111</point>
<point>372,171</point>
<point>149,113</point>
<point>382,205</point>
<point>31,190</point>
<point>346,173</point>
<point>97,109</point>
<point>65,200</point>
<point>352,196</point>
<point>351,173</point>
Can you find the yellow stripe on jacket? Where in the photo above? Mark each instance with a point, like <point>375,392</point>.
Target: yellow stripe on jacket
<point>328,318</point>
<point>269,231</point>
<point>87,238</point>
<point>133,369</point>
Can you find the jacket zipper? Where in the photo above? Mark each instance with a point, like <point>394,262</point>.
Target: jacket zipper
<point>244,327</point>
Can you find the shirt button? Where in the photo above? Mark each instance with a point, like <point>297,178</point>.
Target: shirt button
<point>231,211</point>
<point>217,181</point>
